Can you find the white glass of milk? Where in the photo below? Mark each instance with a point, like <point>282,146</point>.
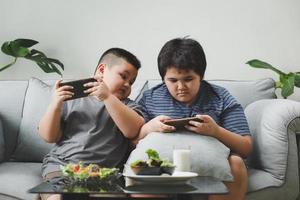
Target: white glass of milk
<point>182,159</point>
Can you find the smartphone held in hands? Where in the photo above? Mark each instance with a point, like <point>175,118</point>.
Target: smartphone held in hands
<point>180,123</point>
<point>78,87</point>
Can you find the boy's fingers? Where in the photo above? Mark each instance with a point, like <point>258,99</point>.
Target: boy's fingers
<point>205,118</point>
<point>191,128</point>
<point>91,84</point>
<point>98,77</point>
<point>195,123</point>
<point>163,118</point>
<point>65,97</point>
<point>167,128</point>
<point>90,90</point>
<point>201,116</point>
<point>57,84</point>
<point>63,93</point>
<point>64,88</point>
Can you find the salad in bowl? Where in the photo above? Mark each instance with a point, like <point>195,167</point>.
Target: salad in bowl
<point>89,175</point>
<point>154,165</point>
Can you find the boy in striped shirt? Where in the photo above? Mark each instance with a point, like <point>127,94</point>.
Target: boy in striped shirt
<point>184,93</point>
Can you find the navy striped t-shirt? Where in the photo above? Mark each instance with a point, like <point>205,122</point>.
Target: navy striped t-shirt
<point>212,100</point>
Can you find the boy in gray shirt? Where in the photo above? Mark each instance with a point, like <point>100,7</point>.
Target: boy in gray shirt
<point>95,129</point>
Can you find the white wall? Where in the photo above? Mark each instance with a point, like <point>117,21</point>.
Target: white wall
<point>231,32</point>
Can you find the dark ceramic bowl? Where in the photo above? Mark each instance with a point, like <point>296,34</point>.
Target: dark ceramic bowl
<point>145,170</point>
<point>168,170</point>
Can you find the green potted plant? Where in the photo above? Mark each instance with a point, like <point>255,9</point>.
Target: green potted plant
<point>286,82</point>
<point>19,48</point>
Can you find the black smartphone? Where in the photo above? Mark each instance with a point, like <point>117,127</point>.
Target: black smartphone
<point>180,123</point>
<point>78,88</point>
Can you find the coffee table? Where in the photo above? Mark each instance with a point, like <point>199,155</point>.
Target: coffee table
<point>200,186</point>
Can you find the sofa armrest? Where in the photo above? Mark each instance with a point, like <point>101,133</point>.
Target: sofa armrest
<point>271,123</point>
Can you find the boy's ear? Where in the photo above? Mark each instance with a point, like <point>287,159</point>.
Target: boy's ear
<point>100,68</point>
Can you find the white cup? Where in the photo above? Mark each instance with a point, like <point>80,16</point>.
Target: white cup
<point>182,160</point>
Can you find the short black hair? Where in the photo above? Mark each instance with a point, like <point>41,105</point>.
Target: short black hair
<point>183,54</point>
<point>121,53</point>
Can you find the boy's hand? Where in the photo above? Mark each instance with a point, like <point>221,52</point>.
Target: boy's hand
<point>98,89</point>
<point>61,94</point>
<point>208,127</point>
<point>157,125</point>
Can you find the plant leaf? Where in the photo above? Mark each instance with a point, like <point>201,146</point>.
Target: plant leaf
<point>152,154</point>
<point>19,48</point>
<point>45,67</point>
<point>278,84</point>
<point>18,51</point>
<point>48,65</point>
<point>26,42</point>
<point>54,68</point>
<point>260,64</point>
<point>34,52</point>
<point>297,79</point>
<point>57,62</point>
<point>5,48</point>
<point>288,85</point>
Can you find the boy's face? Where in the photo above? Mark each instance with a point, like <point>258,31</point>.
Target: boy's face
<point>118,78</point>
<point>183,85</point>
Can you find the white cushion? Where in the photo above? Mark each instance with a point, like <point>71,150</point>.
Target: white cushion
<point>209,156</point>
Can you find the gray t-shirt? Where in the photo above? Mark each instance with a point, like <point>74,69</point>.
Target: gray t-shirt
<point>89,135</point>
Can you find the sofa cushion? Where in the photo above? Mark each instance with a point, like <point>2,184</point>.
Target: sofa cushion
<point>31,147</point>
<point>16,178</point>
<point>245,92</point>
<point>262,185</point>
<point>259,179</point>
<point>209,156</point>
<point>2,144</point>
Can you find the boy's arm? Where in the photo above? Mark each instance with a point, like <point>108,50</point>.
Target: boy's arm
<point>127,120</point>
<point>49,125</point>
<point>142,133</point>
<point>154,125</point>
<point>238,144</point>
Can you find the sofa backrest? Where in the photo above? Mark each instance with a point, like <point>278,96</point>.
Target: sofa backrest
<point>12,95</point>
<point>245,92</point>
<point>137,89</point>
